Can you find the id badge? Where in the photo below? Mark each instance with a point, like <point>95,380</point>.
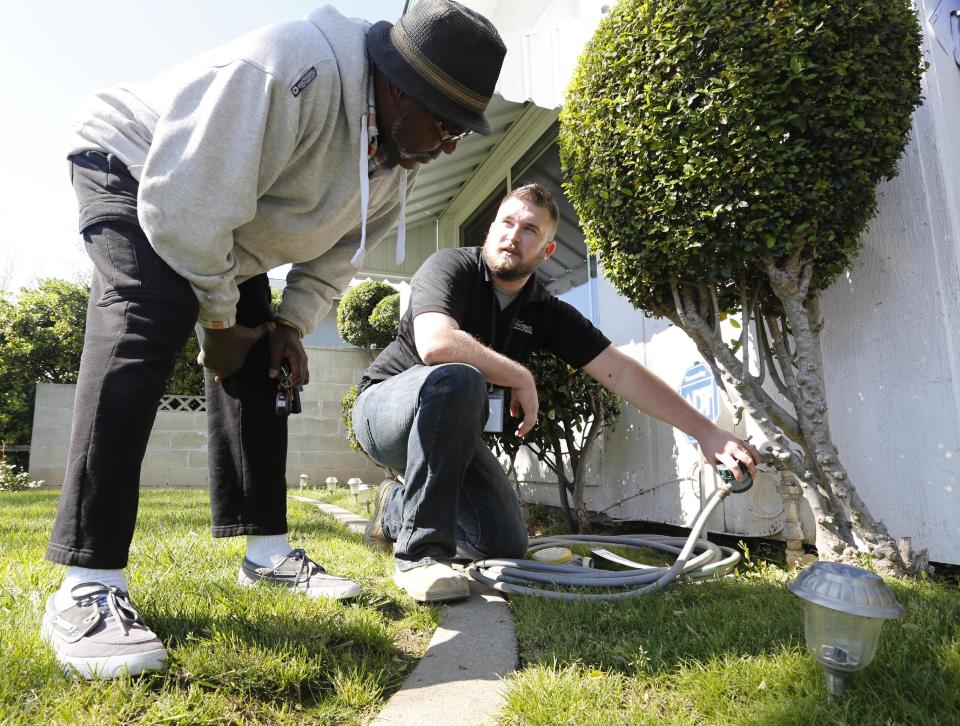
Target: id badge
<point>494,423</point>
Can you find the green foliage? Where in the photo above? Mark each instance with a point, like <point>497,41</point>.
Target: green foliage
<point>385,320</point>
<point>699,138</point>
<point>41,337</point>
<point>13,478</point>
<point>346,410</point>
<point>187,376</point>
<point>361,321</point>
<point>569,399</point>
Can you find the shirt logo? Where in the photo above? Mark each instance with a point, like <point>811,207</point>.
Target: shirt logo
<point>305,80</point>
<point>523,327</point>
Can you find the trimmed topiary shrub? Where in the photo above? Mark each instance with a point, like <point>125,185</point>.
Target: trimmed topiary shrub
<point>385,320</point>
<point>368,317</point>
<point>723,157</point>
<point>354,315</point>
<point>346,412</point>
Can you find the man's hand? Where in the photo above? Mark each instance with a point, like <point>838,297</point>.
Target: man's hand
<point>722,447</point>
<point>524,397</point>
<point>224,351</point>
<point>286,348</point>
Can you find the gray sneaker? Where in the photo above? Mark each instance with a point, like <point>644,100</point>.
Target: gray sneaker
<point>373,535</point>
<point>298,572</point>
<point>101,635</point>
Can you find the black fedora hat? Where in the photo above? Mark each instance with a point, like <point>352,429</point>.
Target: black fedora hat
<point>446,56</point>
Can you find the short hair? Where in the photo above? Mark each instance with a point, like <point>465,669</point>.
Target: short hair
<point>540,196</point>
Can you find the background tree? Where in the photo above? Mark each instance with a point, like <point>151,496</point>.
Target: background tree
<point>41,337</point>
<point>574,410</point>
<point>723,157</point>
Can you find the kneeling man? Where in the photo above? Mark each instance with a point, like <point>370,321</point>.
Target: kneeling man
<point>475,317</point>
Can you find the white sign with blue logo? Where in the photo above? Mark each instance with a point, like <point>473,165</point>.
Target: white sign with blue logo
<point>700,388</point>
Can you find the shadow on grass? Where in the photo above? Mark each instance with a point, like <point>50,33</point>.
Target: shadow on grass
<point>280,656</point>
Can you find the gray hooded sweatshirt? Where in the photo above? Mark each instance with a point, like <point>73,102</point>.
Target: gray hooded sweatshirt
<point>249,157</point>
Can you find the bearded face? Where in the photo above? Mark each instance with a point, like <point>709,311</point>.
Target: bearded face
<point>519,239</point>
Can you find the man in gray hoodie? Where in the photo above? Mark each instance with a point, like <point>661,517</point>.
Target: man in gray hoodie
<point>296,143</point>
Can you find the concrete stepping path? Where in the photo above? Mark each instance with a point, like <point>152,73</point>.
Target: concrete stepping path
<point>459,680</point>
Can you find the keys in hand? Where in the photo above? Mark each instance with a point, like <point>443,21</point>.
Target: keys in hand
<point>288,395</point>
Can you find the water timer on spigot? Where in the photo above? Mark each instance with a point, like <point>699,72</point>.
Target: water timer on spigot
<point>738,487</point>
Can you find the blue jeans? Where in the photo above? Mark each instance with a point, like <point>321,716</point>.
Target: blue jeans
<point>456,500</point>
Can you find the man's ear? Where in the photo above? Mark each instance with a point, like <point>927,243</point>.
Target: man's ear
<point>549,249</point>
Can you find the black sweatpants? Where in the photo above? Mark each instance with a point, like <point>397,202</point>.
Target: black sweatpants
<point>139,316</point>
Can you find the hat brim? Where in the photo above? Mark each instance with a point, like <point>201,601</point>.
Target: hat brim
<point>404,77</point>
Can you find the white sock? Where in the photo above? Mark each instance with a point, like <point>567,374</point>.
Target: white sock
<point>78,575</point>
<point>267,550</point>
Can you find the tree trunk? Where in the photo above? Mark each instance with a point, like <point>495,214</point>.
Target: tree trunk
<point>580,474</point>
<point>563,486</point>
<point>844,525</point>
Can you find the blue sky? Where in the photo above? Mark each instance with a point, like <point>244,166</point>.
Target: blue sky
<point>54,54</point>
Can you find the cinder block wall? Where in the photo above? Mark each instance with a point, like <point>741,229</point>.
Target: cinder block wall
<point>177,452</point>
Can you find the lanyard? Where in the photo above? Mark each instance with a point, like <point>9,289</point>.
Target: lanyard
<point>495,313</point>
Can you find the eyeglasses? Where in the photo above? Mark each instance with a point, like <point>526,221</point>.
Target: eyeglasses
<point>448,131</point>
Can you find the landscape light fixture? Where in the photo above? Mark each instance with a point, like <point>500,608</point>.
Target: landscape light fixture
<point>365,495</point>
<point>354,483</point>
<point>332,482</point>
<point>843,612</point>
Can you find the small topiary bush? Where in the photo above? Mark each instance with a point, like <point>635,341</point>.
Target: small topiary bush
<point>346,412</point>
<point>354,313</point>
<point>574,410</point>
<point>385,320</point>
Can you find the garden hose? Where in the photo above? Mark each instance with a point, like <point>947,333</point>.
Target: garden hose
<point>696,558</point>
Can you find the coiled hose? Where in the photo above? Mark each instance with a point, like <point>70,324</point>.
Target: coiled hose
<point>708,560</point>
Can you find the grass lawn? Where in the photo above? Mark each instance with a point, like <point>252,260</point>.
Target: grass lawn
<point>727,651</point>
<point>238,655</point>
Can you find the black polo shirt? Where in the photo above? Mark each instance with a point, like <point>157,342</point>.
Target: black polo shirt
<point>456,282</point>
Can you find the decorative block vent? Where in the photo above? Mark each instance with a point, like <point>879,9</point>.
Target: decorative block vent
<point>184,404</point>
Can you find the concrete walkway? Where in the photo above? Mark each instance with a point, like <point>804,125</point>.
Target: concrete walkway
<point>458,682</point>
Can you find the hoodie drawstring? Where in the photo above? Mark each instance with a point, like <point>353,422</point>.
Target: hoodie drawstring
<point>357,258</point>
<point>402,221</point>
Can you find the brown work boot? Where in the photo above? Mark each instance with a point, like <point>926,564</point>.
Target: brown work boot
<point>373,535</point>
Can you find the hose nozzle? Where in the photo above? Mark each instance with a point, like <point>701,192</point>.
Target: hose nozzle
<point>730,481</point>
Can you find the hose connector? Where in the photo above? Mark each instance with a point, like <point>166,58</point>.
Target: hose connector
<point>729,482</point>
